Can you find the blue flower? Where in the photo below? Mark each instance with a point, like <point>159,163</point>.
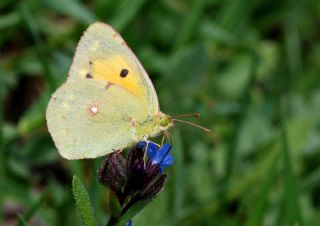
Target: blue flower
<point>158,155</point>
<point>129,223</point>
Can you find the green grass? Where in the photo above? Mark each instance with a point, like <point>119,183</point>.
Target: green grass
<point>250,68</point>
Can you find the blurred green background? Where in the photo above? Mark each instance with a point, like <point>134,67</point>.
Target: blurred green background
<point>250,68</point>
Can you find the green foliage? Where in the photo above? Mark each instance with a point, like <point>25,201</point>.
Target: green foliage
<point>132,211</point>
<point>250,68</point>
<point>115,207</point>
<point>82,199</point>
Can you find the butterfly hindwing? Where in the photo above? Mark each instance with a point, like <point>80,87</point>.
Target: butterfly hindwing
<point>88,119</point>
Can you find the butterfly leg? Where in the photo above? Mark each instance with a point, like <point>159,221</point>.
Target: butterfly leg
<point>167,135</point>
<point>145,150</point>
<point>163,137</point>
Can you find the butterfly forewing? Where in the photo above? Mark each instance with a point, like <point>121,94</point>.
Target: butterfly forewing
<point>102,54</point>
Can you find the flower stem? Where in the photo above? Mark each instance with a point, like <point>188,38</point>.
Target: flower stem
<point>112,221</point>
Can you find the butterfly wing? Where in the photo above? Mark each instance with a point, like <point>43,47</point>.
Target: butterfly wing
<point>103,55</point>
<point>88,119</point>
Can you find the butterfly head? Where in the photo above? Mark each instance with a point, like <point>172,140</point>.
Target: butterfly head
<point>165,121</point>
<point>161,122</point>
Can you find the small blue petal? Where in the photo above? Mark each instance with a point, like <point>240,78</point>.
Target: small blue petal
<point>167,161</point>
<point>152,150</point>
<point>129,223</point>
<point>150,153</point>
<point>141,144</point>
<point>163,151</point>
<point>160,156</point>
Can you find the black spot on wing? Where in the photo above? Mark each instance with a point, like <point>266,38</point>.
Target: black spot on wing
<point>124,72</point>
<point>88,75</point>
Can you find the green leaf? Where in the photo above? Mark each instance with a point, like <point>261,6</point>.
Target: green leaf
<point>129,214</point>
<point>83,203</point>
<point>134,210</point>
<point>114,205</point>
<point>72,8</point>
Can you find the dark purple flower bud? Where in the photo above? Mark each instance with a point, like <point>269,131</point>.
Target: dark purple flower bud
<point>135,170</point>
<point>112,172</point>
<point>135,180</point>
<point>154,187</point>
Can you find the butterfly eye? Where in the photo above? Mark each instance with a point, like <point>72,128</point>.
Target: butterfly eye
<point>124,72</point>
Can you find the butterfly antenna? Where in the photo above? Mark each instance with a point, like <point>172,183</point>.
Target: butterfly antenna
<point>195,115</point>
<point>190,123</point>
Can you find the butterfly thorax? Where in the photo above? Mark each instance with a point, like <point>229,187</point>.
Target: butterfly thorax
<point>154,125</point>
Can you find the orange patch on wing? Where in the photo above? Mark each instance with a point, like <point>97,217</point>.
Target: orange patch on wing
<point>110,69</point>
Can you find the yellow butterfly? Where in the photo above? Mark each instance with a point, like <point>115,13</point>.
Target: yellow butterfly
<point>108,101</point>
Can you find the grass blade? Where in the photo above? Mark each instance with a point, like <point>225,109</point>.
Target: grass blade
<point>30,21</point>
<point>23,219</point>
<point>259,210</point>
<point>126,12</point>
<point>311,181</point>
<point>292,212</point>
<point>191,19</point>
<point>83,203</point>
<point>134,210</point>
<point>177,194</point>
<point>240,119</point>
<point>72,8</point>
<point>2,173</point>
